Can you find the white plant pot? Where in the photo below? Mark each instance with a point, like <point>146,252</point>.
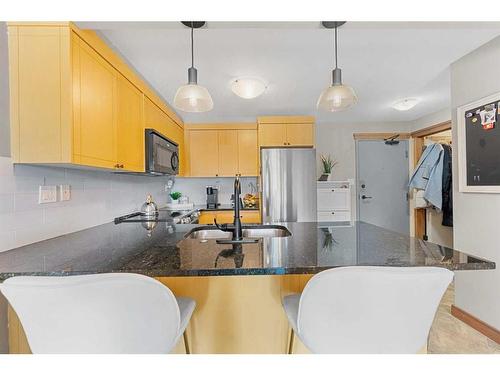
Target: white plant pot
<point>175,201</point>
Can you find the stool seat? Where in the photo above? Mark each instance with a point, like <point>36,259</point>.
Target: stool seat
<point>116,313</point>
<point>367,310</point>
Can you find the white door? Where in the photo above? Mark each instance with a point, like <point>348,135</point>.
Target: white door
<point>382,180</point>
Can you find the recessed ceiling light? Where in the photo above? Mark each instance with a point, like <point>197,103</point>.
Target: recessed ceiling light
<point>405,104</point>
<point>248,87</point>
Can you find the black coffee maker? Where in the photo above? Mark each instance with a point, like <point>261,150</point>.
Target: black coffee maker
<point>212,197</point>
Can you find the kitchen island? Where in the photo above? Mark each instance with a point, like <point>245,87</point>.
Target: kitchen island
<point>238,289</point>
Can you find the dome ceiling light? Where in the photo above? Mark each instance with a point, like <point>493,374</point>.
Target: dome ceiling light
<point>405,104</point>
<point>248,87</point>
<point>337,97</point>
<point>193,97</point>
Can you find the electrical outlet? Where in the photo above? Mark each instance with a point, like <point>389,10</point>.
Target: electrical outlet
<point>65,192</point>
<point>47,194</point>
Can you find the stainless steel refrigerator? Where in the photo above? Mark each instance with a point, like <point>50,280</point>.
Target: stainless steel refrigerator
<point>288,184</point>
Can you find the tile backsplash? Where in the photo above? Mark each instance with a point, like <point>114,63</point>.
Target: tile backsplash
<point>97,197</point>
<point>195,188</point>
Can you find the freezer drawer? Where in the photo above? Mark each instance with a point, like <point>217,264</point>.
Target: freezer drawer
<point>334,215</point>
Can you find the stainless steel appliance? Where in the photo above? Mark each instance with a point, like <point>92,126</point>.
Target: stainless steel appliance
<point>212,197</point>
<point>288,185</point>
<point>162,154</point>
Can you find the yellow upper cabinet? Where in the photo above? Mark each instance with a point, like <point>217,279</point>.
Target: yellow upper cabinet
<point>74,101</point>
<point>94,110</point>
<point>130,129</point>
<point>248,152</point>
<point>286,131</point>
<point>228,152</point>
<point>203,153</point>
<point>218,150</point>
<point>272,135</point>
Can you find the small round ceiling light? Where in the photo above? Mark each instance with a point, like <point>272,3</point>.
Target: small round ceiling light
<point>405,104</point>
<point>248,87</point>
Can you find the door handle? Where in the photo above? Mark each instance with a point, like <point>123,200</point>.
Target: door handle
<point>365,197</point>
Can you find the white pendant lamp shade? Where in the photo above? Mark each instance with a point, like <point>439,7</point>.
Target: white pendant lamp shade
<point>338,96</point>
<point>193,98</point>
<point>248,88</point>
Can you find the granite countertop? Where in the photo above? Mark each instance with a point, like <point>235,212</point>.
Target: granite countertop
<point>163,251</point>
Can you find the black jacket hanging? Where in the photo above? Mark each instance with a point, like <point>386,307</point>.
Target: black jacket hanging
<point>447,188</point>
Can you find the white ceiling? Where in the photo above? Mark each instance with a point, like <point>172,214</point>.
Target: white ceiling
<point>383,61</point>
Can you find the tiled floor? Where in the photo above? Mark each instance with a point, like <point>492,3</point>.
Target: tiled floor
<point>452,336</point>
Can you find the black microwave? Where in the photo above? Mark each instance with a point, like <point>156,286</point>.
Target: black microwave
<point>162,154</point>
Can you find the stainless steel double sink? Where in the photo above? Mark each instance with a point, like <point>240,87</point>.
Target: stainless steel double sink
<point>249,231</point>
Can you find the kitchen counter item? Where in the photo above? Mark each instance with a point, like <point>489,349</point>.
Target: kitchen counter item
<point>149,208</point>
<point>312,247</point>
<point>180,206</point>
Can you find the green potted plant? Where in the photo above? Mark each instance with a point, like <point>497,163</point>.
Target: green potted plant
<point>175,195</point>
<point>328,163</point>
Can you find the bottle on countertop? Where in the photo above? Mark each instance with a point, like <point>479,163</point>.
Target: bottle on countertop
<point>149,208</point>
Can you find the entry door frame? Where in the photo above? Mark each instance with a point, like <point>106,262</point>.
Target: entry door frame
<point>372,137</point>
<point>419,214</point>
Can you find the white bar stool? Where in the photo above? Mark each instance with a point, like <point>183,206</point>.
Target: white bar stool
<point>103,313</point>
<point>367,309</point>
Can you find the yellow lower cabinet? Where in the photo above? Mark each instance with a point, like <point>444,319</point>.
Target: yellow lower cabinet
<point>227,217</point>
<point>207,217</point>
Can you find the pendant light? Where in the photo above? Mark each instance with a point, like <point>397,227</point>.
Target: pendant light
<point>337,97</point>
<point>193,97</point>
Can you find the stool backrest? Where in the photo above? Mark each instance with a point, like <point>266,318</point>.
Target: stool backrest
<point>103,313</point>
<point>370,309</point>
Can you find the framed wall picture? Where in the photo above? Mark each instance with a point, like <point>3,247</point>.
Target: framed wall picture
<point>479,145</point>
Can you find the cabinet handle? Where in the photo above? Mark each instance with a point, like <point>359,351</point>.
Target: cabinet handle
<point>333,213</point>
<point>216,175</point>
<point>333,190</point>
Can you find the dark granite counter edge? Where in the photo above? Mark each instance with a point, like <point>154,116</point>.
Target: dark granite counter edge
<point>246,271</point>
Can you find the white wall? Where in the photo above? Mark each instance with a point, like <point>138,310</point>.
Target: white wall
<point>476,216</point>
<point>431,119</point>
<point>337,140</point>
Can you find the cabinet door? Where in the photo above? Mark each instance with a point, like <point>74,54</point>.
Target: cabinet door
<point>95,127</point>
<point>130,127</point>
<point>203,153</point>
<point>248,153</point>
<point>250,217</point>
<point>333,199</point>
<point>272,135</point>
<point>334,215</point>
<point>228,152</point>
<point>207,217</point>
<point>300,134</point>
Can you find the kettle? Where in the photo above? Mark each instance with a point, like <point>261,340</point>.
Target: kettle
<point>149,208</point>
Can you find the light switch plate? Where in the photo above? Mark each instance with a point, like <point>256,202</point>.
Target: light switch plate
<point>65,192</point>
<point>47,194</point>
